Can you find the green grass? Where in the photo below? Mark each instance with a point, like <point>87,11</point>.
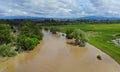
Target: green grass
<point>100,36</point>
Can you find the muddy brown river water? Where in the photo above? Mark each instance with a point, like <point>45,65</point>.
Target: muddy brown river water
<point>55,55</point>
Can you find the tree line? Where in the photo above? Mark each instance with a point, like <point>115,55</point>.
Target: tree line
<point>50,22</point>
<point>27,37</point>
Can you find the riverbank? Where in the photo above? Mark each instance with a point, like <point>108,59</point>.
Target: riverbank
<point>92,50</point>
<point>54,54</point>
<point>8,64</point>
<point>100,35</point>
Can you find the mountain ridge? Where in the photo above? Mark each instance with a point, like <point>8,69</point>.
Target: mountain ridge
<point>45,18</point>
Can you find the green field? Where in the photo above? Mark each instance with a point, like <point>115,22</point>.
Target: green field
<point>100,35</point>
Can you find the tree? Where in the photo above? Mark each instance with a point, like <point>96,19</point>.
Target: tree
<point>26,43</point>
<point>54,30</point>
<point>79,36</point>
<point>6,50</point>
<point>5,34</point>
<point>68,33</point>
<point>29,36</point>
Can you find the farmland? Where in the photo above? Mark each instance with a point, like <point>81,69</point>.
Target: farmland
<point>100,35</point>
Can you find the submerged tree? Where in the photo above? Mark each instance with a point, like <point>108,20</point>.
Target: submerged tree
<point>7,51</point>
<point>80,37</point>
<point>68,33</point>
<point>29,36</point>
<point>99,57</point>
<point>54,30</point>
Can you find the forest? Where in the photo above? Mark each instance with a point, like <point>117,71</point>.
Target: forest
<point>16,38</point>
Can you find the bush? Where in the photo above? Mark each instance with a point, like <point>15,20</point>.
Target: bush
<point>27,43</point>
<point>82,44</point>
<point>80,37</point>
<point>54,30</point>
<point>68,33</point>
<point>40,35</point>
<point>19,50</point>
<point>6,50</point>
<point>31,32</point>
<point>99,57</point>
<point>29,36</point>
<point>30,43</point>
<point>117,35</point>
<point>5,34</point>
<point>46,28</point>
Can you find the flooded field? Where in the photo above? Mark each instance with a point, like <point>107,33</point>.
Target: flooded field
<point>54,54</point>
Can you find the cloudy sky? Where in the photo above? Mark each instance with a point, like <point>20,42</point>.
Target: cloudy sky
<point>60,8</point>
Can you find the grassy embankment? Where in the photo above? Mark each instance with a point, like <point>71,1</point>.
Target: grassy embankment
<point>100,35</point>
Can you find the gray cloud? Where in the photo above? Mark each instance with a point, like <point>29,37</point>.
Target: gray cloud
<point>60,8</point>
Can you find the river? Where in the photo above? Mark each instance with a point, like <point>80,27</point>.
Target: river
<point>54,54</point>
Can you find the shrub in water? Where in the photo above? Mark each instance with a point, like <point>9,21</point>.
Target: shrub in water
<point>46,28</point>
<point>80,37</point>
<point>27,43</point>
<point>99,57</point>
<point>82,44</point>
<point>68,33</point>
<point>6,50</point>
<point>54,30</point>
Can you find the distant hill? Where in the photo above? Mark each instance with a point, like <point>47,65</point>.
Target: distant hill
<point>23,17</point>
<point>43,18</point>
<point>99,18</point>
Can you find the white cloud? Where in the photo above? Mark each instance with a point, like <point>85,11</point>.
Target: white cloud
<point>60,8</point>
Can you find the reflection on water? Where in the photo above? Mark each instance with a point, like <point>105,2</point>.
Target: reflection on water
<point>53,54</point>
